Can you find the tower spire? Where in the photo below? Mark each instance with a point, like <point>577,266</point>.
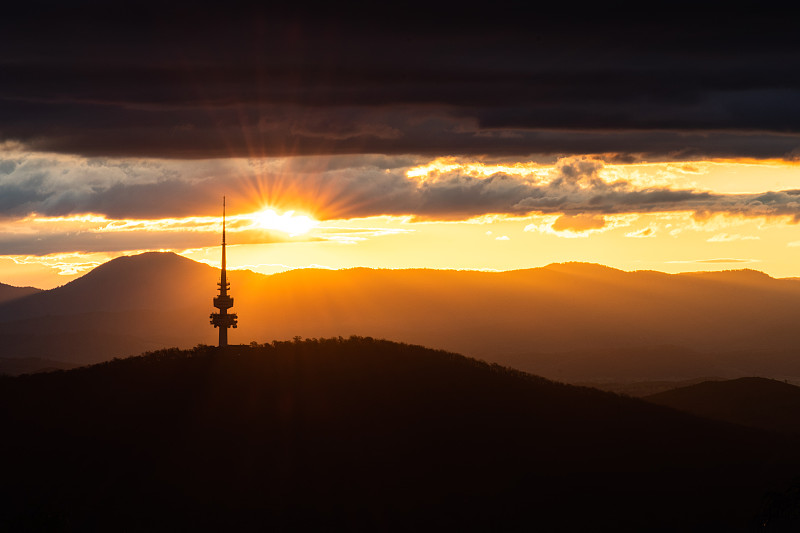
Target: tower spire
<point>223,302</point>
<point>223,279</point>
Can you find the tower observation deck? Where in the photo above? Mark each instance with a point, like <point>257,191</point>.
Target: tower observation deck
<point>223,320</point>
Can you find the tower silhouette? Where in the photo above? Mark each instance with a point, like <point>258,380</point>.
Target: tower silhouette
<point>223,302</point>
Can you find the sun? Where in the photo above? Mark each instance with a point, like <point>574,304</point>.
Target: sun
<point>289,222</point>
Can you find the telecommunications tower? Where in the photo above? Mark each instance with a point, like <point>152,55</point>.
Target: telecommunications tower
<point>223,302</point>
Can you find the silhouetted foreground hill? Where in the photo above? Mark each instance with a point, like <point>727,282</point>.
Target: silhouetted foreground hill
<point>755,402</point>
<point>572,322</point>
<point>362,434</point>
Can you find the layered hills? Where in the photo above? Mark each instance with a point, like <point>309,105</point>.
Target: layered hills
<point>572,322</point>
<point>756,402</point>
<point>9,293</point>
<point>360,434</point>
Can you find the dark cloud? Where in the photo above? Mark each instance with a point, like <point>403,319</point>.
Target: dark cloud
<point>22,197</point>
<point>196,81</point>
<point>66,185</point>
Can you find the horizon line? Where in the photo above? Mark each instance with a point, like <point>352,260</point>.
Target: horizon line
<point>286,268</point>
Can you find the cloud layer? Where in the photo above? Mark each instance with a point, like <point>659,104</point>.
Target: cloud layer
<point>348,187</point>
<point>579,191</point>
<point>183,81</point>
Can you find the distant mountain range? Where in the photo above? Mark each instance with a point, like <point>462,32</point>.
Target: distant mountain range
<point>364,435</point>
<point>755,402</point>
<point>572,322</point>
<point>9,292</point>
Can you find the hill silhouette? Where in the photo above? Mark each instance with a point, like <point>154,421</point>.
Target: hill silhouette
<point>15,366</point>
<point>9,292</point>
<point>756,402</point>
<point>640,389</point>
<point>573,321</point>
<point>148,281</point>
<point>123,307</point>
<point>361,434</point>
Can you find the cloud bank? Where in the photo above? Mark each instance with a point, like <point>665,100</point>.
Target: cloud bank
<point>350,187</point>
<point>170,198</point>
<point>245,80</point>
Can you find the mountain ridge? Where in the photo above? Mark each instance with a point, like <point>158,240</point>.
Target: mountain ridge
<point>10,292</point>
<point>750,401</point>
<point>565,266</point>
<point>560,321</point>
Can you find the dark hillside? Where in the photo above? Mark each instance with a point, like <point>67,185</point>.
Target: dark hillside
<point>362,434</point>
<point>755,402</point>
